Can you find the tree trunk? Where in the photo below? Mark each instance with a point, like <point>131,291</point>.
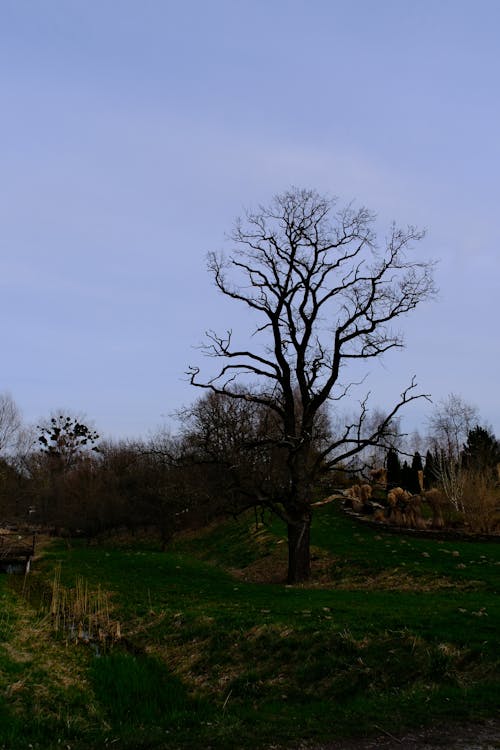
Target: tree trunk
<point>299,558</point>
<point>165,536</point>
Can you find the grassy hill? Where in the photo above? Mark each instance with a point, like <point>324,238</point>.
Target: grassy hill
<point>216,651</point>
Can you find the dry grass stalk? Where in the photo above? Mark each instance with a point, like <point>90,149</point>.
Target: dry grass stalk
<point>480,501</point>
<point>82,614</point>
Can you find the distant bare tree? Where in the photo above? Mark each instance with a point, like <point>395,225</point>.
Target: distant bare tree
<point>324,295</point>
<point>450,424</point>
<point>10,422</point>
<point>236,443</point>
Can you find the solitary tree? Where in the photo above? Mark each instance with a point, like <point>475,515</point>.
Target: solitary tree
<point>324,294</point>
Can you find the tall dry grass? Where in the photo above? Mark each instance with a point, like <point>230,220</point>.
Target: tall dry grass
<point>480,501</point>
<point>82,614</point>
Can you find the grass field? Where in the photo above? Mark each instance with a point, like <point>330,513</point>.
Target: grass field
<point>216,652</point>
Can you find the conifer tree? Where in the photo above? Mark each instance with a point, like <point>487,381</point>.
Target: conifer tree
<point>416,466</point>
<point>429,471</point>
<point>393,469</point>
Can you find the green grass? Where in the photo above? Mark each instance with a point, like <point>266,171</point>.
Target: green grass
<point>391,629</point>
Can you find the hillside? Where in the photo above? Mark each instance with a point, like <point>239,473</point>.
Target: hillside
<point>391,633</point>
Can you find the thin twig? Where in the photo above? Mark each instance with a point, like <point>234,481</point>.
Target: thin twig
<point>391,736</point>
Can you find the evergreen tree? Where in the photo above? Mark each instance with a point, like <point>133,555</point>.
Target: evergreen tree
<point>429,471</point>
<point>407,477</point>
<point>416,466</point>
<point>481,451</point>
<point>393,469</point>
<point>416,463</point>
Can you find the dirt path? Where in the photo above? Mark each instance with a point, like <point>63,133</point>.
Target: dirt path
<point>484,736</point>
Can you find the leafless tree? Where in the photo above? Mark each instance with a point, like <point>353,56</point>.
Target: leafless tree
<point>450,424</point>
<point>10,422</point>
<point>236,444</point>
<point>323,294</point>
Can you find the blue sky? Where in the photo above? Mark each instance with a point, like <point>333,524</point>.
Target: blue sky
<point>133,133</point>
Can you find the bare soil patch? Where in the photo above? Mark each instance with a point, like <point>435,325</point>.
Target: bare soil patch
<point>471,736</point>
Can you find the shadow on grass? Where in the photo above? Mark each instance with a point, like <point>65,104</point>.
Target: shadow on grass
<point>138,690</point>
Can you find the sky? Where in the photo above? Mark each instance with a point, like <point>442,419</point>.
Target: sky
<point>134,132</point>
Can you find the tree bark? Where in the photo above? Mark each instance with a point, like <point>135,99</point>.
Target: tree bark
<point>299,558</point>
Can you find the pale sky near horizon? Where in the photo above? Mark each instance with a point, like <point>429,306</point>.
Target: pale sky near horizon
<point>134,133</point>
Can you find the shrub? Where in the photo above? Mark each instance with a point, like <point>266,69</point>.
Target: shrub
<point>480,501</point>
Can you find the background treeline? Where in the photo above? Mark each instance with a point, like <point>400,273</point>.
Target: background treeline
<point>124,484</point>
<point>224,458</point>
<point>480,455</point>
<point>60,476</point>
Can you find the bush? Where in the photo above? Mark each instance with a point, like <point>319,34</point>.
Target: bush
<point>480,501</point>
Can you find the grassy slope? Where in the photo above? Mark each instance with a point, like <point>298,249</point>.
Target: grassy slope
<point>405,632</point>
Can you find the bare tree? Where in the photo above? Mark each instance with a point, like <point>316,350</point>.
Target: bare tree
<point>236,443</point>
<point>323,295</point>
<point>10,422</point>
<point>450,424</point>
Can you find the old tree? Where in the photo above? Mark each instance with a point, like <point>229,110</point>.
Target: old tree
<point>324,294</point>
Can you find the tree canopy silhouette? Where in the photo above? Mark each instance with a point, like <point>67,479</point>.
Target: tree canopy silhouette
<point>324,295</point>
